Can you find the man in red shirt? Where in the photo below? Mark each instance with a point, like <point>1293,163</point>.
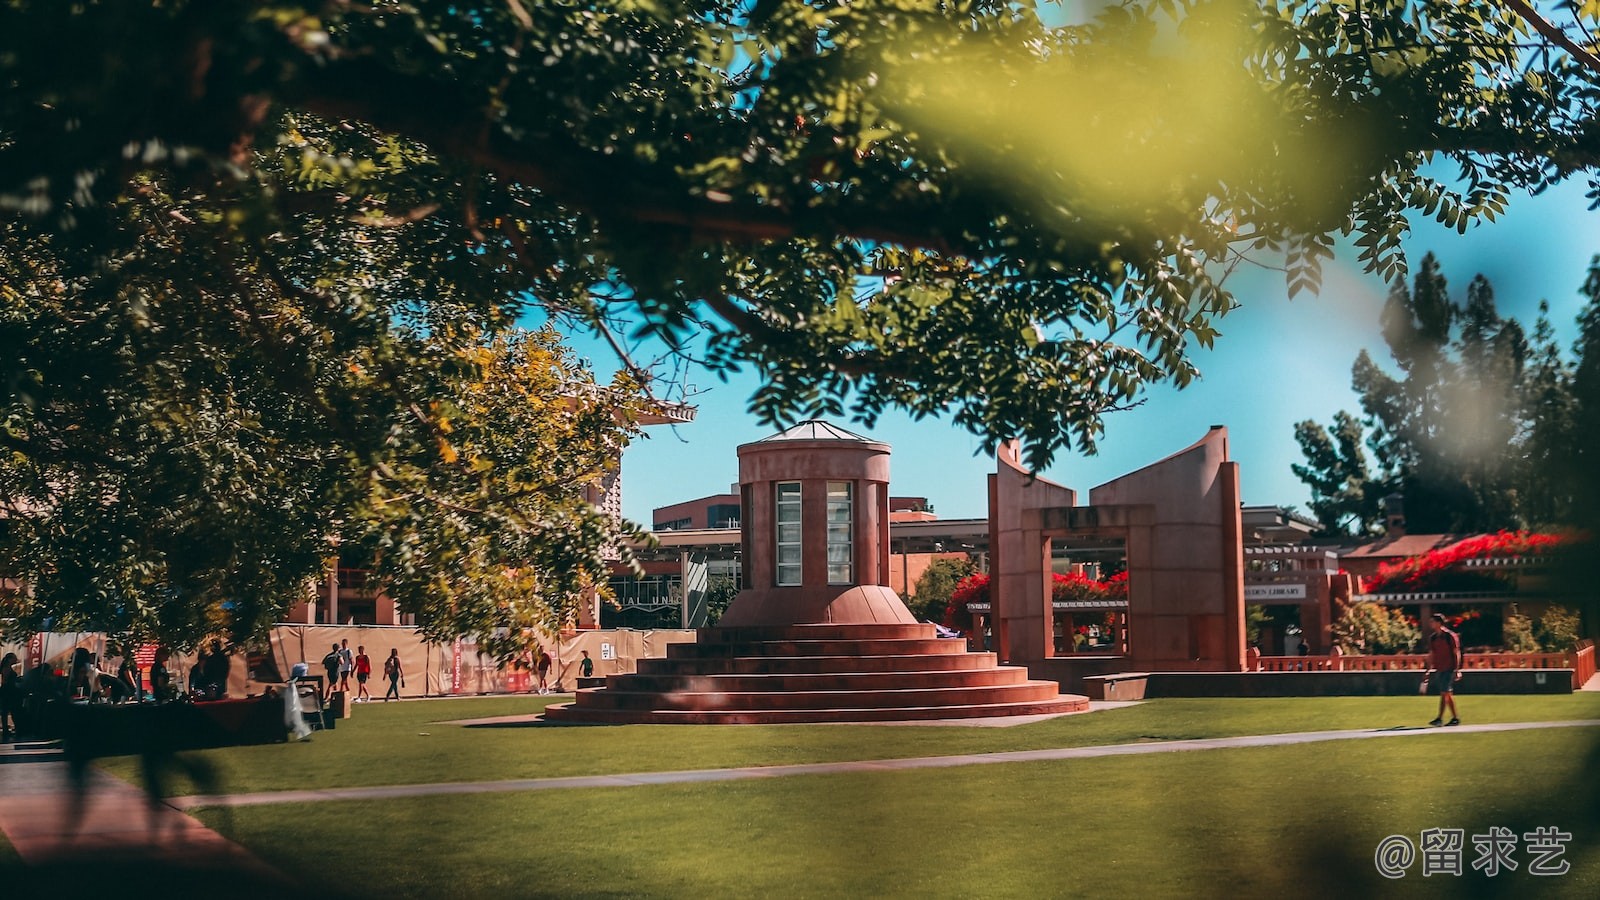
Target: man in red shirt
<point>363,672</point>
<point>1444,667</point>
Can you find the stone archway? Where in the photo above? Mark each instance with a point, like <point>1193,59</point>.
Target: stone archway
<point>1180,521</point>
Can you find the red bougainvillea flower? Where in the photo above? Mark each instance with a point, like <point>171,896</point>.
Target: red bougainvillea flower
<point>971,589</point>
<point>1064,587</point>
<point>1420,572</point>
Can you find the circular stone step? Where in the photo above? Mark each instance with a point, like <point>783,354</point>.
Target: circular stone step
<point>569,713</point>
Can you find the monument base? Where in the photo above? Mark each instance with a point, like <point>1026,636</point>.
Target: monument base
<point>816,673</point>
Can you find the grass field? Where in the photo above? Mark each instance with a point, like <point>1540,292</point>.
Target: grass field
<point>407,743</point>
<point>1292,821</point>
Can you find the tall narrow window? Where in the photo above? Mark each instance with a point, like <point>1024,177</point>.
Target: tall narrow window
<point>788,533</point>
<point>840,570</point>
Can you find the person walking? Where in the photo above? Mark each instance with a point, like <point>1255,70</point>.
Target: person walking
<point>331,664</point>
<point>347,664</point>
<point>1444,668</point>
<point>585,666</point>
<point>396,675</point>
<point>544,671</point>
<point>363,672</point>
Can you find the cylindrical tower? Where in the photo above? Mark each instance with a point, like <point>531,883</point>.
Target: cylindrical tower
<point>815,508</point>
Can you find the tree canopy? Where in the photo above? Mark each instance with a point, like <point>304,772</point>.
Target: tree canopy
<point>252,250</point>
<point>1483,429</point>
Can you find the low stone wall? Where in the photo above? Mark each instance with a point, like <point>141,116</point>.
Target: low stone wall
<point>1072,672</point>
<point>1137,686</point>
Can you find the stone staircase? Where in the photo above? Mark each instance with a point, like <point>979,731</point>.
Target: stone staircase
<point>816,673</point>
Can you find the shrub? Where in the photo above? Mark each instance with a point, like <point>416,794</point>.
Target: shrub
<point>931,599</point>
<point>1558,629</point>
<point>1255,616</point>
<point>1374,629</point>
<point>971,589</point>
<point>975,589</point>
<point>1518,632</point>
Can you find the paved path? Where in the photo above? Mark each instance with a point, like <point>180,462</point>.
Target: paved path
<point>879,765</point>
<point>116,823</point>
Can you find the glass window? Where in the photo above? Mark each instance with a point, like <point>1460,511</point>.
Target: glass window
<point>788,535</point>
<point>840,570</point>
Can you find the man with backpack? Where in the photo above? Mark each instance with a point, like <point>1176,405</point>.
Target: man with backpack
<point>1444,668</point>
<point>331,665</point>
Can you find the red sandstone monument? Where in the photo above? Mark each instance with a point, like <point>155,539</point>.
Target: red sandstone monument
<point>1179,520</point>
<point>817,636</point>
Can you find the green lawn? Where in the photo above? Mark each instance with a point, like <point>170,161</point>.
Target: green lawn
<point>1290,821</point>
<point>406,743</point>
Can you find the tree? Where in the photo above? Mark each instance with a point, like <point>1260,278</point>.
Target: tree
<point>719,596</point>
<point>1476,432</point>
<point>938,581</point>
<point>301,215</point>
<point>1549,411</point>
<point>469,508</point>
<point>1345,497</point>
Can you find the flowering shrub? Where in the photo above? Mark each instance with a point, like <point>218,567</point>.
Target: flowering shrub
<point>1431,569</point>
<point>975,589</point>
<point>1081,587</point>
<point>971,589</point>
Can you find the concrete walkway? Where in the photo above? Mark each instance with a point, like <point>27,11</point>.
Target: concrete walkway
<point>638,779</point>
<point>111,825</point>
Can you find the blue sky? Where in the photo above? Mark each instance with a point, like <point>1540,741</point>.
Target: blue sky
<point>1276,363</point>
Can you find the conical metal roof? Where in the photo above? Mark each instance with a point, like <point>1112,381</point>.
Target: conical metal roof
<point>815,430</point>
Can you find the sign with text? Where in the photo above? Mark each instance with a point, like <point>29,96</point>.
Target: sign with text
<point>1259,592</point>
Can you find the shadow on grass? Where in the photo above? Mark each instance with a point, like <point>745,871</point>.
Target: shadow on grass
<point>129,876</point>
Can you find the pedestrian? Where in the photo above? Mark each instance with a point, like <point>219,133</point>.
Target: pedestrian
<point>395,674</point>
<point>160,675</point>
<point>586,666</point>
<point>363,672</point>
<point>331,664</point>
<point>1444,668</point>
<point>10,697</point>
<point>217,667</point>
<point>544,671</point>
<point>347,664</point>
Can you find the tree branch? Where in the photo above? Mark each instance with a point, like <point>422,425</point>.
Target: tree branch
<point>609,186</point>
<point>1555,35</point>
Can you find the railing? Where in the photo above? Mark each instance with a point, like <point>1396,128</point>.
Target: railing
<point>1581,661</point>
<point>1583,666</point>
